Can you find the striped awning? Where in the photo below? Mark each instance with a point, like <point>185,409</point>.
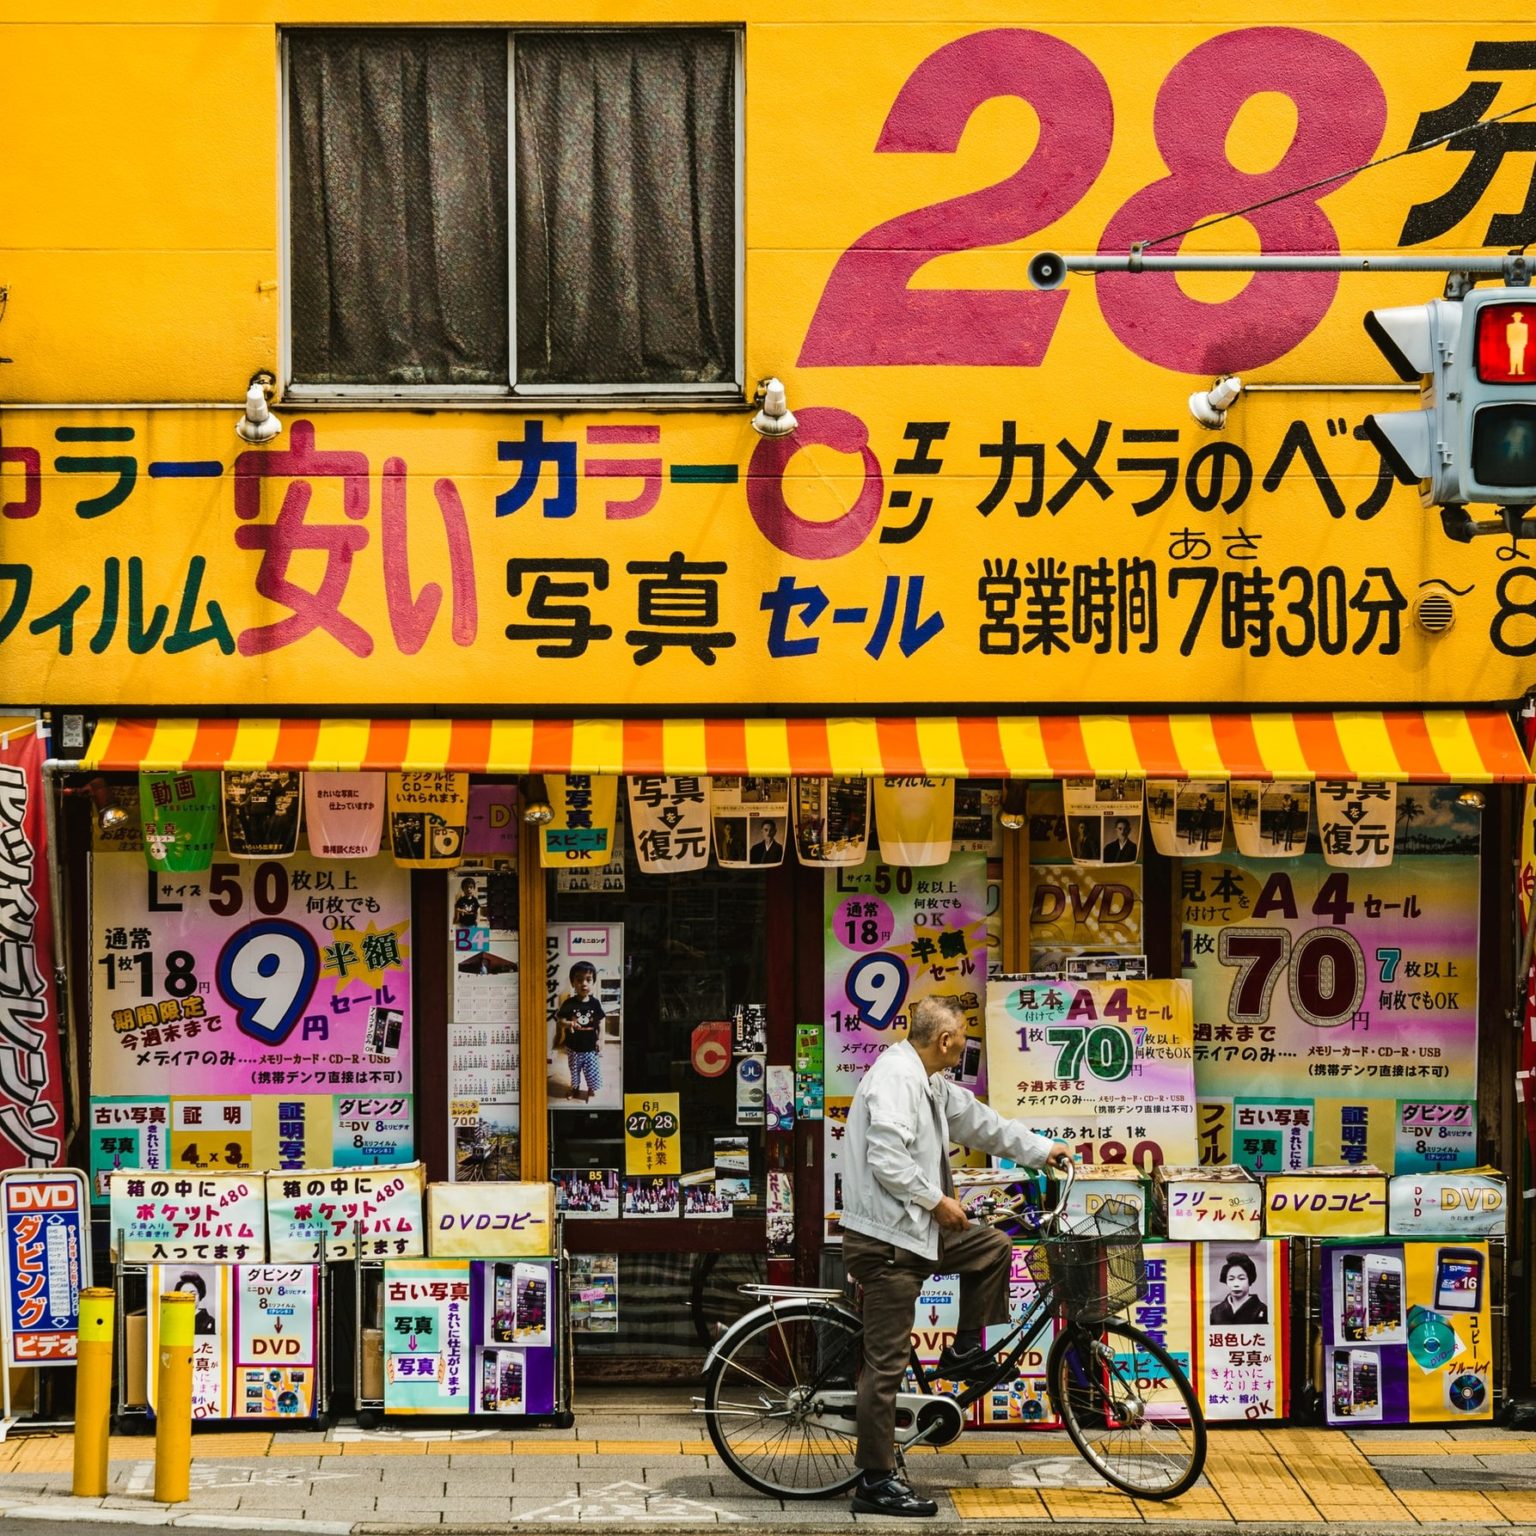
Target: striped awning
<point>1424,746</point>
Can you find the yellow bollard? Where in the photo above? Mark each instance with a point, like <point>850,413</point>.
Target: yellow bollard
<point>173,1398</point>
<point>93,1392</point>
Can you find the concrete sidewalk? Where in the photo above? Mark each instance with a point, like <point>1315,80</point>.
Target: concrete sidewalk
<point>638,1460</point>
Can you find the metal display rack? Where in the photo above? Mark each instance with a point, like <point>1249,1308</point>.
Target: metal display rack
<point>369,1284</point>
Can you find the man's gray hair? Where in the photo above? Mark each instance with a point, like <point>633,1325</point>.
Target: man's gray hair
<point>933,1014</point>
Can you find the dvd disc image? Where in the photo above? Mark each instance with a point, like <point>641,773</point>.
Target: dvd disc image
<point>1468,1392</point>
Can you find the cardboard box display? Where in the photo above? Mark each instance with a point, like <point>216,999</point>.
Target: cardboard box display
<point>373,1365</point>
<point>1471,1202</point>
<point>1097,1183</point>
<point>1326,1202</point>
<point>136,1380</point>
<point>1210,1204</point>
<point>491,1221</point>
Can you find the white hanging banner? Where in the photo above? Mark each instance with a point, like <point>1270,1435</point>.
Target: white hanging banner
<point>1357,822</point>
<point>261,813</point>
<point>1103,820</point>
<point>751,821</point>
<point>1269,820</point>
<point>915,820</point>
<point>344,813</point>
<point>831,820</point>
<point>1187,818</point>
<point>669,821</point>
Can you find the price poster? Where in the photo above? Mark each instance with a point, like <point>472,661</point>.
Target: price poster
<point>1335,1010</point>
<point>1107,1067</point>
<point>265,1005</point>
<point>893,936</point>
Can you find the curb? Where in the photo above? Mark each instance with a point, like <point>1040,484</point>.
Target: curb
<point>74,1512</point>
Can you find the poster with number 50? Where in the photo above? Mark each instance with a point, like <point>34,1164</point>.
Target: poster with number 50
<point>895,935</point>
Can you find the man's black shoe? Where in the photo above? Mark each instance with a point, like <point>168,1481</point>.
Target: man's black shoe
<point>891,1494</point>
<point>966,1365</point>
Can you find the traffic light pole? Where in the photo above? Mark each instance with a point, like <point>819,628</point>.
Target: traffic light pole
<point>1048,269</point>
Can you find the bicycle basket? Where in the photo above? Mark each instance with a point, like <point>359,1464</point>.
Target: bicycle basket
<point>1096,1267</point>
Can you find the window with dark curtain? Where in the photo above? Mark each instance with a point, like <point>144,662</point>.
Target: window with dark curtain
<point>626,207</point>
<point>398,206</point>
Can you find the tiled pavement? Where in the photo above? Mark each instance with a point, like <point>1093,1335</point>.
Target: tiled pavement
<point>626,1466</point>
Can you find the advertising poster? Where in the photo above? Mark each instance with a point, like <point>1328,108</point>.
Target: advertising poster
<point>180,816</point>
<point>344,814</point>
<point>751,1090</point>
<point>601,879</point>
<point>586,1191</point>
<point>1083,909</point>
<point>781,1213</point>
<point>669,821</point>
<point>127,1133</point>
<point>834,1155</point>
<point>583,832</point>
<point>750,817</point>
<point>894,936</point>
<point>276,995</point>
<point>213,1286</point>
<point>584,986</point>
<point>333,1208</point>
<point>1407,1333</point>
<point>810,1071</point>
<point>493,821</point>
<point>1356,823</point>
<point>594,1292</point>
<point>779,1098</point>
<point>484,1031</point>
<point>1107,1067</point>
<point>710,1048</point>
<point>427,816</point>
<point>832,820</point>
<point>262,809</point>
<point>1187,818</point>
<point>500,1220</point>
<point>915,820</point>
<point>428,1337</point>
<point>276,1310</point>
<point>32,1129</point>
<point>1336,1010</point>
<point>172,1219</point>
<point>45,1263</point>
<point>1023,1399</point>
<point>1241,1309</point>
<point>1104,819</point>
<point>1270,820</point>
<point>1166,1314</point>
<point>514,1337</point>
<point>652,1133</point>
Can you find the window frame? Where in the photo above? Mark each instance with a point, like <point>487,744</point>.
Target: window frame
<point>512,392</point>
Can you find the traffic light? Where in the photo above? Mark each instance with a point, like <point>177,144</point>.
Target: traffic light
<point>1420,341</point>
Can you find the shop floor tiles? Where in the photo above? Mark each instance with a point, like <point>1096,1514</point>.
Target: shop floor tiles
<point>1465,1508</point>
<point>1517,1508</point>
<point>997,1503</point>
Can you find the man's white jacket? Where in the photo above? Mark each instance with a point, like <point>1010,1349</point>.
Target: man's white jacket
<point>899,1129</point>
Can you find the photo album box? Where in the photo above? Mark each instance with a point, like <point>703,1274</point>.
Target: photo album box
<point>1199,1204</point>
<point>1348,1201</point>
<point>1470,1202</point>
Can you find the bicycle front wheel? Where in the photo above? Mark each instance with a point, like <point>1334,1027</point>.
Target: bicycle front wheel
<point>779,1401</point>
<point>1103,1377</point>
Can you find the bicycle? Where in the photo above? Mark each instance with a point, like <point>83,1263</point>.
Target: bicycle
<point>780,1385</point>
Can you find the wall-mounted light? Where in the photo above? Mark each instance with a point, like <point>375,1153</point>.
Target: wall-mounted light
<point>258,425</point>
<point>1210,406</point>
<point>1473,799</point>
<point>537,811</point>
<point>109,817</point>
<point>774,417</point>
<point>1012,813</point>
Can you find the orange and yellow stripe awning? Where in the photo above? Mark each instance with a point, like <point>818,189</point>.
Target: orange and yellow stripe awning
<point>1446,746</point>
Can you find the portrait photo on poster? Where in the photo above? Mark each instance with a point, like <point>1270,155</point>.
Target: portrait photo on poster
<point>1237,1283</point>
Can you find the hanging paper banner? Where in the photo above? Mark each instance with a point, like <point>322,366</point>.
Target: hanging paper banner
<point>1107,1067</point>
<point>1187,819</point>
<point>892,937</point>
<point>1356,822</point>
<point>493,821</point>
<point>344,814</point>
<point>427,814</point>
<point>1103,820</point>
<point>583,829</point>
<point>261,813</point>
<point>832,820</point>
<point>751,821</point>
<point>45,1262</point>
<point>977,828</point>
<point>669,821</point>
<point>180,813</point>
<point>605,879</point>
<point>32,1082</point>
<point>325,1212</point>
<point>914,820</point>
<point>214,1218</point>
<point>584,995</point>
<point>652,1133</point>
<point>1269,820</point>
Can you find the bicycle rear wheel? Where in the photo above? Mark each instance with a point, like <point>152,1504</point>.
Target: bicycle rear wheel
<point>1101,1376</point>
<point>766,1404</point>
